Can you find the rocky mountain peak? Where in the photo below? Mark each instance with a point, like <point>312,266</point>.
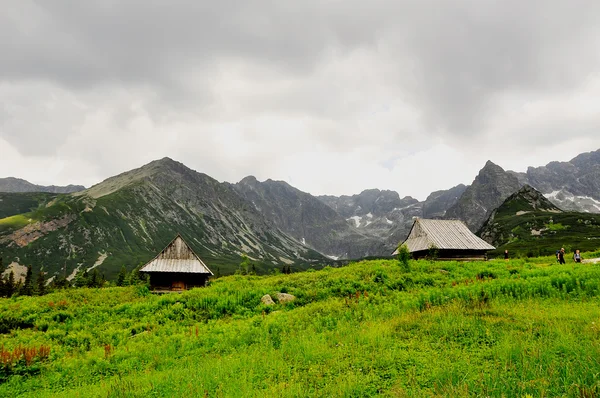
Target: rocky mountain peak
<point>489,189</point>
<point>530,199</point>
<point>165,172</point>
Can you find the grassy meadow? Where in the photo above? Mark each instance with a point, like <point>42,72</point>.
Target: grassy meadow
<point>526,327</point>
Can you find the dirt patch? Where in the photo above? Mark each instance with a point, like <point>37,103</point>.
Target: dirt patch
<point>33,232</point>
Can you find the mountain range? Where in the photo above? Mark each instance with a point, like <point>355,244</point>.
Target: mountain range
<point>12,184</point>
<point>127,219</point>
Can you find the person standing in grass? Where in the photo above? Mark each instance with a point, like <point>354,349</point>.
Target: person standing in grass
<point>506,255</point>
<point>577,256</point>
<point>561,256</point>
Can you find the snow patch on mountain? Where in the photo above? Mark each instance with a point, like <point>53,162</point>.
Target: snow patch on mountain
<point>357,220</point>
<point>568,201</point>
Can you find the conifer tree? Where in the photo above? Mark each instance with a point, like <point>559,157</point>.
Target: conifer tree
<point>95,280</point>
<point>122,276</point>
<point>27,288</point>
<point>61,283</point>
<point>10,284</point>
<point>41,283</point>
<point>81,279</point>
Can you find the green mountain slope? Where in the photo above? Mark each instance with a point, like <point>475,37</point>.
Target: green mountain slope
<point>127,219</point>
<point>17,203</point>
<point>529,224</point>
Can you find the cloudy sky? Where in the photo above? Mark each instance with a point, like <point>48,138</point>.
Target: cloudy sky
<point>331,96</point>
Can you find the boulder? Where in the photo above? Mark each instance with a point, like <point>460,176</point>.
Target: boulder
<point>267,300</point>
<point>285,298</point>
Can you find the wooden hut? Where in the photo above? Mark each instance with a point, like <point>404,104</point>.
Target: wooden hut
<point>449,239</point>
<point>176,268</point>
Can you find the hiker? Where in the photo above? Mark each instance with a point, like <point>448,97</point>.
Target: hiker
<point>577,256</point>
<point>506,254</point>
<point>561,256</point>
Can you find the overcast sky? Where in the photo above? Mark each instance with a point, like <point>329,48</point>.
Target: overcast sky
<point>331,96</point>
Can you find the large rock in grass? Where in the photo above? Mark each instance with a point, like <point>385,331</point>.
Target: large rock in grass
<point>267,300</point>
<point>285,298</point>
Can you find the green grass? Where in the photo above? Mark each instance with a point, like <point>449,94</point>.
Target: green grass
<point>441,329</point>
<point>556,227</point>
<point>14,222</point>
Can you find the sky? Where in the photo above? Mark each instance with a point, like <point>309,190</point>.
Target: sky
<point>331,96</point>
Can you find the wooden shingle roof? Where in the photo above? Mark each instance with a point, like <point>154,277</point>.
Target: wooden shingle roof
<point>443,234</point>
<point>177,257</point>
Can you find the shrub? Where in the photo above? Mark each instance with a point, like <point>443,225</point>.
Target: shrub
<point>404,257</point>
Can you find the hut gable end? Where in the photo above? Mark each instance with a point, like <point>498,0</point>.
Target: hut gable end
<point>177,250</point>
<point>177,257</point>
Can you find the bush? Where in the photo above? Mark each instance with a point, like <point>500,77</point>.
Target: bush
<point>404,257</point>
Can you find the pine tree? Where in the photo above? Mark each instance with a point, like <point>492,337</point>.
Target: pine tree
<point>95,280</point>
<point>27,288</point>
<point>61,283</point>
<point>41,283</point>
<point>10,284</point>
<point>122,276</point>
<point>81,279</point>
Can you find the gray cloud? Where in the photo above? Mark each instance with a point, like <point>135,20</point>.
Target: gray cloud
<point>245,86</point>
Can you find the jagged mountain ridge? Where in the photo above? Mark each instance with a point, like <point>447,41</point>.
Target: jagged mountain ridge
<point>18,185</point>
<point>383,214</point>
<point>572,185</point>
<point>128,218</point>
<point>307,219</point>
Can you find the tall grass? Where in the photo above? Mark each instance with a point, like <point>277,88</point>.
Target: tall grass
<point>372,328</point>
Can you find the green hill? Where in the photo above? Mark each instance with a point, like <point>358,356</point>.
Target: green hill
<point>529,224</point>
<point>500,329</point>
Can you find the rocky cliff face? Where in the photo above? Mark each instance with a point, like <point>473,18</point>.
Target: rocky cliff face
<point>438,202</point>
<point>572,185</point>
<point>489,189</point>
<point>308,219</point>
<point>11,184</point>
